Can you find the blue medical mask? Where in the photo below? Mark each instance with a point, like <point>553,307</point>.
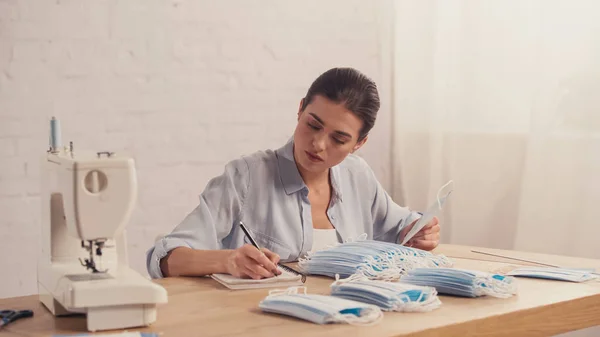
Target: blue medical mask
<point>320,309</point>
<point>374,259</point>
<point>462,282</point>
<point>551,273</point>
<point>389,296</point>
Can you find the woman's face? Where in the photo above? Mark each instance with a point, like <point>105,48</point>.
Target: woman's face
<point>326,133</point>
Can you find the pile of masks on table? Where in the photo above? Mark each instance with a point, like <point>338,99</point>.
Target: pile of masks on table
<point>358,300</point>
<point>376,260</point>
<point>372,277</point>
<point>355,301</point>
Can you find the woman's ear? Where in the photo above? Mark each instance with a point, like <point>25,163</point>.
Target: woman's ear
<point>359,144</point>
<point>300,108</point>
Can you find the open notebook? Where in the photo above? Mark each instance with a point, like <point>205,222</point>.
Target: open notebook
<point>286,279</point>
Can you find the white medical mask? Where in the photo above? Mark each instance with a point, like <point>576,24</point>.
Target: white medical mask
<point>320,309</point>
<point>389,296</point>
<point>462,282</point>
<point>551,273</point>
<point>431,212</point>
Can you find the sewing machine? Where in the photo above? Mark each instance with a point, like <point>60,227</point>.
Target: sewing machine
<point>87,199</point>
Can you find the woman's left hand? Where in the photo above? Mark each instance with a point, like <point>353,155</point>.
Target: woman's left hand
<point>427,238</point>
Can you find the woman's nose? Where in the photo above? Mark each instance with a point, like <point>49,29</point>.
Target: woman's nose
<point>319,143</point>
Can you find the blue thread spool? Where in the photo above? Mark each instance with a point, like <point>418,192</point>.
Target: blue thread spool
<point>55,141</point>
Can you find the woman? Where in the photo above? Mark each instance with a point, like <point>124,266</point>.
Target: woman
<point>309,193</point>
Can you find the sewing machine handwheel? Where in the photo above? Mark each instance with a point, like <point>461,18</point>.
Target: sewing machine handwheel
<point>95,181</point>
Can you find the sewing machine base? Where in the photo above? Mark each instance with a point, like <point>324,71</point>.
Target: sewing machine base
<point>107,318</point>
<point>118,300</point>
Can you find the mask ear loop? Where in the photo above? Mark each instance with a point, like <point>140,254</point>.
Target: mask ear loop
<point>424,305</point>
<point>361,237</point>
<point>440,191</point>
<point>441,261</point>
<point>388,270</point>
<point>303,264</point>
<point>288,291</point>
<point>488,285</point>
<point>373,316</point>
<point>403,302</point>
<point>349,279</point>
<point>409,262</point>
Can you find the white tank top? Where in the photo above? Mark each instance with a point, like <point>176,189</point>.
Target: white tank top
<point>323,238</point>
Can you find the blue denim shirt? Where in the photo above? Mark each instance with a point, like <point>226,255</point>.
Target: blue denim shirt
<point>266,192</point>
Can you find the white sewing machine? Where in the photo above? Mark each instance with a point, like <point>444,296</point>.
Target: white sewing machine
<point>87,198</point>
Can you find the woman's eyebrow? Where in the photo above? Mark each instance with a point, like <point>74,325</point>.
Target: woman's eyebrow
<point>342,133</point>
<point>316,117</point>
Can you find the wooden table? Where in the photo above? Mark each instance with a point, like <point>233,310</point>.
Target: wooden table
<point>202,307</point>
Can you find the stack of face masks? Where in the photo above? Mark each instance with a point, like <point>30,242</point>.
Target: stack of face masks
<point>559,274</point>
<point>389,296</point>
<point>320,309</point>
<point>461,282</point>
<point>373,259</point>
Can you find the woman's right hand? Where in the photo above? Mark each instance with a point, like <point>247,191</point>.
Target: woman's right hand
<point>247,261</point>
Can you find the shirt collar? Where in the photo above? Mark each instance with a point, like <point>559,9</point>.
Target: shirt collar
<point>288,171</point>
<point>290,176</point>
<point>335,177</point>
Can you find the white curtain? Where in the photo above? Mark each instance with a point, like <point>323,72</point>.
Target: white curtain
<point>503,97</point>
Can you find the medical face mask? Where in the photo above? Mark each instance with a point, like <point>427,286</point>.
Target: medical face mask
<point>431,212</point>
<point>373,259</point>
<point>389,296</point>
<point>558,274</point>
<point>462,282</point>
<point>320,309</point>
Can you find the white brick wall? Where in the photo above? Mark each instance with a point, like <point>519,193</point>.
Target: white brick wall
<point>184,86</point>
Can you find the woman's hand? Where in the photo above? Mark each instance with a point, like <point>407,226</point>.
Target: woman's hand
<point>247,261</point>
<point>427,238</point>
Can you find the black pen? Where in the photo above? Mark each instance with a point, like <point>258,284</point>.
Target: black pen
<point>254,243</point>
